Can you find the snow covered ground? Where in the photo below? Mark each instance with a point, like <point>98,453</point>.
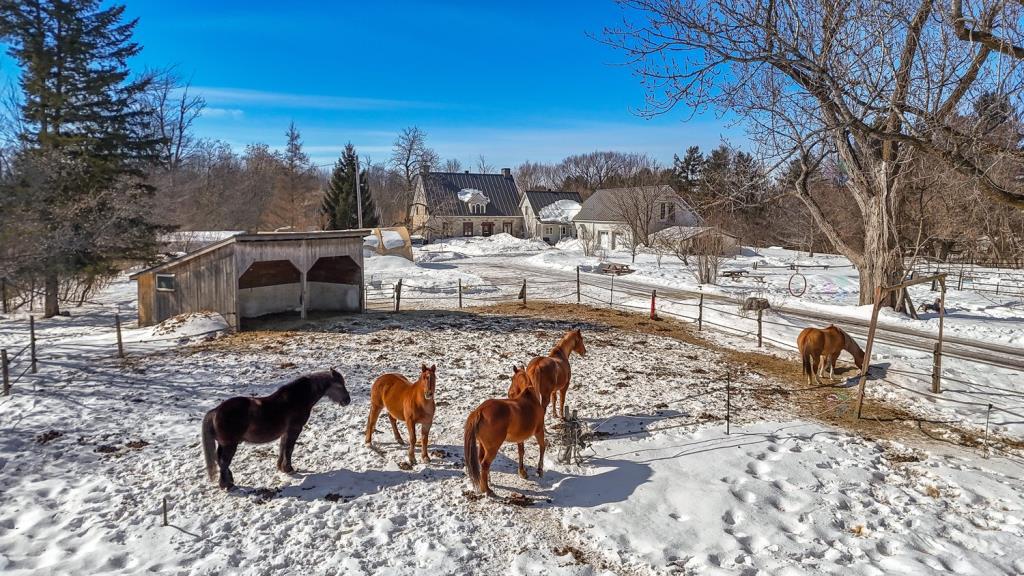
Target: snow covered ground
<point>902,369</point>
<point>92,445</point>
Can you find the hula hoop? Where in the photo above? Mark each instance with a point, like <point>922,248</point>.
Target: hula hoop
<point>802,288</point>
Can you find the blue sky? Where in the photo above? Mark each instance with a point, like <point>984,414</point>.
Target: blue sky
<point>513,81</point>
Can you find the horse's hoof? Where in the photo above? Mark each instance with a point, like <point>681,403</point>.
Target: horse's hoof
<point>540,473</point>
<point>522,473</point>
<point>288,470</point>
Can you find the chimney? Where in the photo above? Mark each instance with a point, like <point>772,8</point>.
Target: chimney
<point>506,172</point>
<point>465,172</point>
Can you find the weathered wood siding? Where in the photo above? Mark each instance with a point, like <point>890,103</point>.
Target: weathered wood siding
<point>206,282</point>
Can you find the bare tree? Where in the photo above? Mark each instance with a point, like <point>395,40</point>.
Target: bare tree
<point>174,109</point>
<point>709,252</point>
<point>639,208</point>
<point>870,85</point>
<point>588,241</point>
<point>410,154</point>
<point>482,167</point>
<point>536,176</point>
<point>451,165</point>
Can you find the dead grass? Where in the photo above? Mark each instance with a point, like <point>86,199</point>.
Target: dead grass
<point>833,405</point>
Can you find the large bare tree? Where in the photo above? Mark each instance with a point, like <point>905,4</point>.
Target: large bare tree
<point>870,85</point>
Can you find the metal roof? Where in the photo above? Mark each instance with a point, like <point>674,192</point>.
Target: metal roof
<point>538,199</point>
<point>442,193</point>
<point>257,237</point>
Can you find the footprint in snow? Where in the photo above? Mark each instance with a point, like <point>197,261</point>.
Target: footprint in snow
<point>758,468</point>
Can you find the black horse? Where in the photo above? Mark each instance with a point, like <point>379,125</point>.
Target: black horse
<point>259,420</point>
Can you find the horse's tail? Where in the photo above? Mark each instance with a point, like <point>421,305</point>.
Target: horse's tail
<point>470,447</point>
<point>805,356</point>
<point>209,446</point>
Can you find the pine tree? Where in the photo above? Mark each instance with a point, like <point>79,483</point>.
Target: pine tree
<point>85,141</point>
<point>339,203</point>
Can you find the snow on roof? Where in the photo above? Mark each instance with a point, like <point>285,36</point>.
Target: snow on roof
<point>559,211</point>
<point>473,196</point>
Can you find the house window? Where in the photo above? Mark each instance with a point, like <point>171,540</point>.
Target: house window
<point>506,227</point>
<point>467,228</point>
<point>549,230</point>
<point>446,229</point>
<point>486,228</point>
<point>477,208</point>
<point>668,212</point>
<point>165,282</point>
<point>562,230</point>
<point>602,239</point>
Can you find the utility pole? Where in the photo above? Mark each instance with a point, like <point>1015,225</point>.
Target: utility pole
<point>359,194</point>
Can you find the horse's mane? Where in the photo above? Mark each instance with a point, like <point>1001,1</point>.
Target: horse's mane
<point>848,342</point>
<point>561,342</point>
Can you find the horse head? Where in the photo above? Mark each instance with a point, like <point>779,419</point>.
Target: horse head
<point>428,377</point>
<point>578,346</point>
<point>521,383</point>
<point>336,390</point>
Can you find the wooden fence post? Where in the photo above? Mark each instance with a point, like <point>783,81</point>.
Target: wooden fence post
<point>165,510</point>
<point>32,340</point>
<point>398,295</point>
<point>460,292</point>
<point>522,293</point>
<point>936,368</point>
<point>611,292</point>
<point>654,298</point>
<point>759,313</point>
<point>120,343</point>
<point>728,406</point>
<point>3,293</point>
<point>6,372</point>
<point>577,284</point>
<point>700,313</point>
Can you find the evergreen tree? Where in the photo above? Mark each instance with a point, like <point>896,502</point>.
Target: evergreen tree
<point>688,169</point>
<point>85,141</point>
<point>339,203</point>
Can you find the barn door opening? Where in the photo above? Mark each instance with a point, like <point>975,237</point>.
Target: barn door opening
<point>269,287</point>
<point>334,284</point>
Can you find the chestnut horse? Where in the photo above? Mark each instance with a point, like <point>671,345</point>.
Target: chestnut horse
<point>552,373</point>
<point>497,421</point>
<point>820,346</point>
<point>282,415</point>
<point>413,403</point>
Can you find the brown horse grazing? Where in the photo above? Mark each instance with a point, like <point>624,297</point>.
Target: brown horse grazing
<point>820,346</point>
<point>265,419</point>
<point>413,403</point>
<point>497,421</point>
<point>552,373</point>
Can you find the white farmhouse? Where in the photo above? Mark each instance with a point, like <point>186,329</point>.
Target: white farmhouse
<point>601,215</point>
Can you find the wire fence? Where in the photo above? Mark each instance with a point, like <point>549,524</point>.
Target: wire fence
<point>706,311</point>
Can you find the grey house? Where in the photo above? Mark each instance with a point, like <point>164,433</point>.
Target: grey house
<point>601,216</point>
<point>447,204</point>
<point>548,214</point>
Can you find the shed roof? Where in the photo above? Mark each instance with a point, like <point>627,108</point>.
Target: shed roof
<point>256,237</point>
<point>442,193</point>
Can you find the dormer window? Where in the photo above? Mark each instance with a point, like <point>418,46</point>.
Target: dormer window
<point>475,200</point>
<point>668,212</point>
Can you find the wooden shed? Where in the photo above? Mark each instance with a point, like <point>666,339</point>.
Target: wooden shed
<point>252,275</point>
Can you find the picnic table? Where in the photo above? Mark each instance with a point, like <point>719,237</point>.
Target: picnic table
<point>617,269</point>
<point>734,274</point>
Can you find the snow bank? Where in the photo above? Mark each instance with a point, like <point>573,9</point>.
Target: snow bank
<point>490,245</point>
<point>559,211</point>
<point>387,263</point>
